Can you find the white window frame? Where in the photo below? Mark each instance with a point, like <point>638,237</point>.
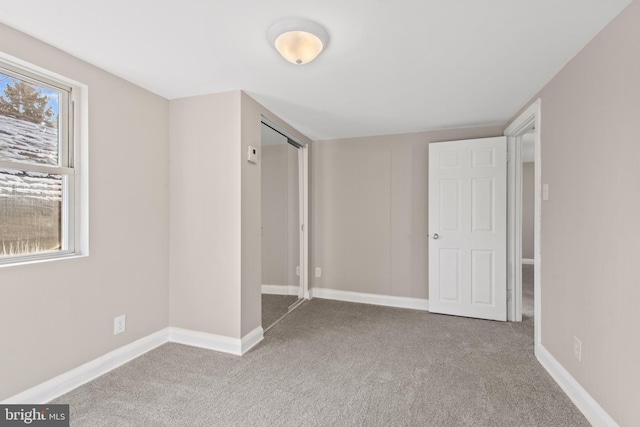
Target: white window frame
<point>73,165</point>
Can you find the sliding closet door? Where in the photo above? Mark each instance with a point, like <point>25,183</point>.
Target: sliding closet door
<point>281,279</point>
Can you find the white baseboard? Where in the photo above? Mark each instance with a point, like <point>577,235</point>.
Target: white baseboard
<point>215,342</point>
<point>375,299</point>
<point>527,261</point>
<point>64,383</point>
<point>594,413</point>
<point>280,290</point>
<point>251,339</point>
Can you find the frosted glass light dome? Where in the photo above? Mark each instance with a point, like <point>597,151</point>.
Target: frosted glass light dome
<point>298,41</point>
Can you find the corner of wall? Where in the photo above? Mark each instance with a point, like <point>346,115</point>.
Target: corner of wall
<point>205,214</point>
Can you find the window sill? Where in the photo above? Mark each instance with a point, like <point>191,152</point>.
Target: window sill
<point>34,259</point>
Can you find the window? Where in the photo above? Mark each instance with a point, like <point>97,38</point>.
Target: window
<point>39,192</point>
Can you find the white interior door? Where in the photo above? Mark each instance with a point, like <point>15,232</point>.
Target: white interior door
<point>468,228</point>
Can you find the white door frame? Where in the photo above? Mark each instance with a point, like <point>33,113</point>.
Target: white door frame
<point>527,120</point>
<point>304,219</point>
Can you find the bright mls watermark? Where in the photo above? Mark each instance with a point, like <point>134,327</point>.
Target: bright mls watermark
<point>34,415</point>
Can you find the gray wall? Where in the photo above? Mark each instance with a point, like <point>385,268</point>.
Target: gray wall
<point>590,228</point>
<point>369,211</point>
<point>58,315</point>
<point>528,199</point>
<point>205,213</point>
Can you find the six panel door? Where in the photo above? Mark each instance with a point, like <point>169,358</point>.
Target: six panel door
<point>468,228</point>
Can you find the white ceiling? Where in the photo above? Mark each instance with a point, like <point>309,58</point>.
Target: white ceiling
<point>390,66</point>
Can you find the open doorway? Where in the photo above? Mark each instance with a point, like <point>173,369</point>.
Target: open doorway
<point>524,218</point>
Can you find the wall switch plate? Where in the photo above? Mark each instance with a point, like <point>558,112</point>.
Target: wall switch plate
<point>545,191</point>
<point>119,324</point>
<point>318,272</point>
<point>577,348</point>
<point>297,270</point>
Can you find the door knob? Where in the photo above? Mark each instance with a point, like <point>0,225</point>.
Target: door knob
<point>435,236</point>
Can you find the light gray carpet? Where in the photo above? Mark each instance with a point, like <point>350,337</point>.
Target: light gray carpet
<point>333,363</point>
<point>274,307</point>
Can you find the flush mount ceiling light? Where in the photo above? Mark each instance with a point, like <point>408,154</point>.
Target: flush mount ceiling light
<point>297,40</point>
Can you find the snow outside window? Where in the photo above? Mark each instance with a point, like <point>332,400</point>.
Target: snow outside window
<point>37,175</point>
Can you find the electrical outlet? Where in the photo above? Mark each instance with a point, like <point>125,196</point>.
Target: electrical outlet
<point>318,272</point>
<point>297,270</point>
<point>119,324</point>
<point>577,348</point>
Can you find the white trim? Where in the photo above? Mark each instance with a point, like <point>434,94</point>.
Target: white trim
<point>304,246</point>
<point>524,120</point>
<point>215,342</point>
<point>528,261</point>
<point>252,339</point>
<point>375,299</point>
<point>594,413</point>
<point>537,224</point>
<point>64,383</point>
<point>514,228</point>
<point>206,340</point>
<point>280,290</point>
<point>70,380</point>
